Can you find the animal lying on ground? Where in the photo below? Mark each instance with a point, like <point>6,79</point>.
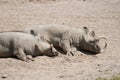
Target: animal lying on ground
<point>68,37</point>
<point>24,45</point>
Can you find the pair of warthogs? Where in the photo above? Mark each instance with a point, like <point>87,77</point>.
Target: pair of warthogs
<point>46,39</point>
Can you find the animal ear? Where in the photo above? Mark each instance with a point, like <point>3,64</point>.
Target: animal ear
<point>92,34</point>
<point>85,29</point>
<point>33,32</point>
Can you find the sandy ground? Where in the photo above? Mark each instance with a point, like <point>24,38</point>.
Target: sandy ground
<point>103,16</point>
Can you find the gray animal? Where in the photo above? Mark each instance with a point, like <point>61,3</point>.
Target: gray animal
<point>70,39</point>
<point>24,45</point>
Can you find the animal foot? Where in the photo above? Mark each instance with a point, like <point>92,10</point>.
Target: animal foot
<point>29,57</point>
<point>70,53</point>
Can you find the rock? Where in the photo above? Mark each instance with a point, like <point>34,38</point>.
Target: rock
<point>4,76</point>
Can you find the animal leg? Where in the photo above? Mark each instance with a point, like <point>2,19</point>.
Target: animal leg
<point>54,51</point>
<point>65,45</point>
<point>30,57</point>
<point>74,49</point>
<point>20,54</point>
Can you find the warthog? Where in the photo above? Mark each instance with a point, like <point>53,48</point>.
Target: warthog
<point>68,37</point>
<point>24,45</point>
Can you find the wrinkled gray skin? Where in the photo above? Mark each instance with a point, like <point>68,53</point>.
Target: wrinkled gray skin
<point>24,45</point>
<point>69,38</point>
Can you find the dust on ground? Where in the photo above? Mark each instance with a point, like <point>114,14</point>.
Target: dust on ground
<point>102,16</point>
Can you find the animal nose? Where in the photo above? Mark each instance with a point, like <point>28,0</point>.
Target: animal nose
<point>98,50</point>
<point>97,46</point>
<point>55,53</point>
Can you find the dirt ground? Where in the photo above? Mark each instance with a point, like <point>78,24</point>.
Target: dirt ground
<point>103,16</point>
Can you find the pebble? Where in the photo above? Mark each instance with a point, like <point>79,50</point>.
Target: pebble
<point>4,76</point>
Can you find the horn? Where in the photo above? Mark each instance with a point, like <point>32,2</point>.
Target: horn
<point>103,49</point>
<point>102,37</point>
<point>105,45</point>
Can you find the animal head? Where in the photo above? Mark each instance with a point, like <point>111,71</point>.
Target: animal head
<point>47,49</point>
<point>43,46</point>
<point>91,42</point>
<point>51,51</point>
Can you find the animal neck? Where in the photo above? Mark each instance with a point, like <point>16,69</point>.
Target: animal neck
<point>77,36</point>
<point>82,43</point>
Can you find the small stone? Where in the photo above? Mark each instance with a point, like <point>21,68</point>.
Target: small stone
<point>99,70</point>
<point>4,76</point>
<point>63,23</point>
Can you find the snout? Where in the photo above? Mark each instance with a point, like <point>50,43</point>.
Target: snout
<point>97,49</point>
<point>55,53</point>
<point>102,49</point>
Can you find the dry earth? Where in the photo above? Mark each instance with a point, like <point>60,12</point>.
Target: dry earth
<point>103,16</point>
